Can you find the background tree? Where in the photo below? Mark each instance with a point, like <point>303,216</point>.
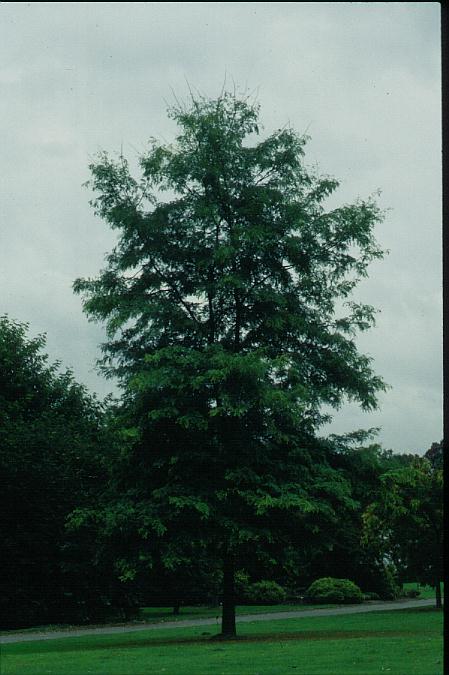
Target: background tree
<point>435,455</point>
<point>350,555</point>
<point>53,442</point>
<point>405,523</point>
<point>222,305</point>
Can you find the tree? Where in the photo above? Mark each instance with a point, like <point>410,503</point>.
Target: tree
<point>435,455</point>
<point>352,556</point>
<point>52,441</point>
<point>405,522</point>
<point>222,305</point>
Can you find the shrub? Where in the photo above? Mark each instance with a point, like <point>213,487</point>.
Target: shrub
<point>330,590</point>
<point>265,593</point>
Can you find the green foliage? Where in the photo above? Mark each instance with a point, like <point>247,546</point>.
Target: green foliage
<point>222,302</point>
<point>244,256</point>
<point>329,589</point>
<point>405,522</point>
<point>52,437</point>
<point>388,585</point>
<point>361,464</point>
<point>435,455</point>
<point>265,593</point>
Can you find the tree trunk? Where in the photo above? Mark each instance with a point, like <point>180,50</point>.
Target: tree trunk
<point>438,594</point>
<point>228,629</point>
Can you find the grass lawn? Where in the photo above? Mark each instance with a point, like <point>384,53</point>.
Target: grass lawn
<point>155,614</point>
<point>403,642</point>
<point>164,614</point>
<point>424,591</point>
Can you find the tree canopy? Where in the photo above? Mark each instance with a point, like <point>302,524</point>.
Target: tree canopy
<point>405,521</point>
<point>53,441</point>
<point>230,324</point>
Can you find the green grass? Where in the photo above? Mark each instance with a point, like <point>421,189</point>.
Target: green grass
<point>403,642</point>
<point>165,614</point>
<point>424,591</point>
<point>156,614</point>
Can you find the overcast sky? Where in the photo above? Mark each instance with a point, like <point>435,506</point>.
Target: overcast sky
<point>362,78</point>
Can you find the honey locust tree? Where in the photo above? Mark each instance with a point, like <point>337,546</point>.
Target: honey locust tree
<point>220,301</point>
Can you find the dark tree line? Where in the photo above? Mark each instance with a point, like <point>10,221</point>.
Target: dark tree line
<point>54,444</point>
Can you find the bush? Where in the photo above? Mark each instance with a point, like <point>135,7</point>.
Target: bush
<point>265,593</point>
<point>330,590</point>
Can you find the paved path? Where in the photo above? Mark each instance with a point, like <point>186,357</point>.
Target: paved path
<point>130,628</point>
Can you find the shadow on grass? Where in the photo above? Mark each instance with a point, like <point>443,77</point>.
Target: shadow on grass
<point>207,639</point>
